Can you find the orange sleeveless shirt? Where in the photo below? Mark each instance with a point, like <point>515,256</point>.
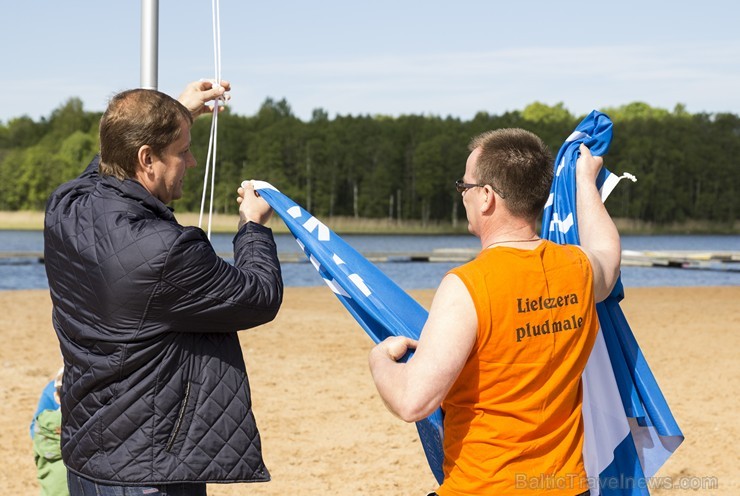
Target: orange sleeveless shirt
<point>513,420</point>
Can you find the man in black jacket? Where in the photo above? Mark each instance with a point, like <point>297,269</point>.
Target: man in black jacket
<point>156,396</point>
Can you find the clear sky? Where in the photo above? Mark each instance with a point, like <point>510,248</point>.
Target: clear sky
<point>432,57</point>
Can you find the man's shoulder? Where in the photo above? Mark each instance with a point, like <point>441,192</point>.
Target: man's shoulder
<point>69,192</point>
<point>571,251</point>
<point>149,230</point>
<point>177,240</point>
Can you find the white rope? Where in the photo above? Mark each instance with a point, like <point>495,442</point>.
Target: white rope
<point>212,140</point>
<point>205,180</point>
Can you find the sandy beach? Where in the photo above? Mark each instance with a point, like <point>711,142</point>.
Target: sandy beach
<point>325,431</point>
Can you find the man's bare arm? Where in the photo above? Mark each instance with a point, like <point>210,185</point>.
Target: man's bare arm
<point>599,236</point>
<point>413,390</point>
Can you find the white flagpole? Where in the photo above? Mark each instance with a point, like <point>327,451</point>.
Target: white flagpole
<point>149,43</point>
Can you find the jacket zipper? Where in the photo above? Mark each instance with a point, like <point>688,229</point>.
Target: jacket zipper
<point>179,419</point>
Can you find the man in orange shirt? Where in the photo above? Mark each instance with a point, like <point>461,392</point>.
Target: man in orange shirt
<point>509,333</point>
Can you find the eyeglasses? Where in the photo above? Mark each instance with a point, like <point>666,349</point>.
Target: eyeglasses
<point>462,187</point>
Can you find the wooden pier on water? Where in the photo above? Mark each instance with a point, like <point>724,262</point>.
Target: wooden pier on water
<point>684,259</point>
<point>728,261</point>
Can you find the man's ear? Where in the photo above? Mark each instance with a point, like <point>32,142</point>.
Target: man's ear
<point>146,158</point>
<point>489,201</point>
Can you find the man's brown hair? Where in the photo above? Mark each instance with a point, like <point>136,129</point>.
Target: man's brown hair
<point>518,164</point>
<point>135,118</point>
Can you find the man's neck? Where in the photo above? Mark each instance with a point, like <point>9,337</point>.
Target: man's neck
<point>515,231</point>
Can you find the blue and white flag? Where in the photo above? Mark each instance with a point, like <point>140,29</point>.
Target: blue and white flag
<point>629,429</point>
<point>381,307</point>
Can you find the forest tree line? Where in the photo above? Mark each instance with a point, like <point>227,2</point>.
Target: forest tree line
<point>398,167</point>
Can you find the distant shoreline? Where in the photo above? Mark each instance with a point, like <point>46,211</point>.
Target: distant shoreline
<point>223,223</point>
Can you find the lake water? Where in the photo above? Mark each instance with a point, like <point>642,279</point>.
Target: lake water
<point>29,273</point>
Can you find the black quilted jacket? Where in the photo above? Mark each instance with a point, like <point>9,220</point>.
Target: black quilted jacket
<point>155,387</point>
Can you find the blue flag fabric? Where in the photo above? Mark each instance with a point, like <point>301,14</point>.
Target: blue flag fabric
<point>629,429</point>
<point>381,307</point>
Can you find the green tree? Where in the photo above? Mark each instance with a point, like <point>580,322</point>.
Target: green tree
<point>397,167</point>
